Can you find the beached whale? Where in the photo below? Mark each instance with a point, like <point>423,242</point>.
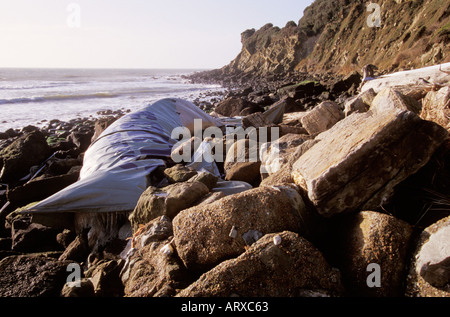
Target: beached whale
<point>116,167</point>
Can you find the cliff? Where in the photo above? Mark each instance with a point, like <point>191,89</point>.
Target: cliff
<point>338,37</point>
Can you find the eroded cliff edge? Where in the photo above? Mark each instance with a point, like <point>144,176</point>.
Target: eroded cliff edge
<point>338,37</point>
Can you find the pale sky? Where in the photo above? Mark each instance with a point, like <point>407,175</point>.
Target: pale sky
<point>133,33</point>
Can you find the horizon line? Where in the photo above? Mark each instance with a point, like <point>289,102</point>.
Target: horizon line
<point>108,68</point>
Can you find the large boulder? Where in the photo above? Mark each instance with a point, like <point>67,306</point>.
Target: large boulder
<point>368,238</point>
<point>32,276</point>
<point>208,234</point>
<point>278,265</point>
<point>358,162</point>
<point>429,274</point>
<point>17,159</point>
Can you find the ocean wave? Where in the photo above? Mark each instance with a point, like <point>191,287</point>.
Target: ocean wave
<point>30,86</point>
<point>58,97</point>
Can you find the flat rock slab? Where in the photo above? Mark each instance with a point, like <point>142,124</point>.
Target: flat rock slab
<point>358,162</point>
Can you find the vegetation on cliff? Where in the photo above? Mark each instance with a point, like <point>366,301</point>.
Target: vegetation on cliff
<point>337,37</point>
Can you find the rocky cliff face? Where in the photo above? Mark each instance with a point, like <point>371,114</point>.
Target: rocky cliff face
<point>339,36</point>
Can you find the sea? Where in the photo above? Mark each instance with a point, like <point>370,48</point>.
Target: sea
<point>37,96</point>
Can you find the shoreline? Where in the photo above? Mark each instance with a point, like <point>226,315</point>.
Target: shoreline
<point>29,97</point>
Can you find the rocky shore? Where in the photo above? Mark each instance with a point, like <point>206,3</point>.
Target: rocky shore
<point>357,206</point>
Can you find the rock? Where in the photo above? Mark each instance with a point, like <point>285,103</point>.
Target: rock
<point>29,128</point>
<point>242,162</point>
<point>373,238</point>
<point>210,198</point>
<point>294,118</point>
<point>233,107</point>
<point>206,178</point>
<point>11,133</point>
<point>348,84</point>
<point>62,166</point>
<point>167,201</point>
<point>256,120</point>
<point>275,155</point>
<point>64,146</point>
<point>202,234</point>
<point>33,238</point>
<point>39,189</point>
<point>17,159</point>
<point>294,268</point>
<point>101,125</point>
<point>429,274</point>
<point>358,162</point>
<point>246,172</point>
<point>286,129</point>
<point>84,289</point>
<point>359,103</point>
<point>323,117</point>
<point>81,139</point>
<point>417,92</point>
<point>242,92</point>
<point>158,229</point>
<point>105,278</point>
<point>436,107</point>
<point>149,271</point>
<point>283,175</point>
<point>433,261</point>
<point>301,90</point>
<point>389,99</point>
<point>179,173</point>
<point>65,237</point>
<point>290,105</point>
<point>32,276</point>
<point>78,250</point>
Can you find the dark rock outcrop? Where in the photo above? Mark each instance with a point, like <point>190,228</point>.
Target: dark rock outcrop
<point>16,160</point>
